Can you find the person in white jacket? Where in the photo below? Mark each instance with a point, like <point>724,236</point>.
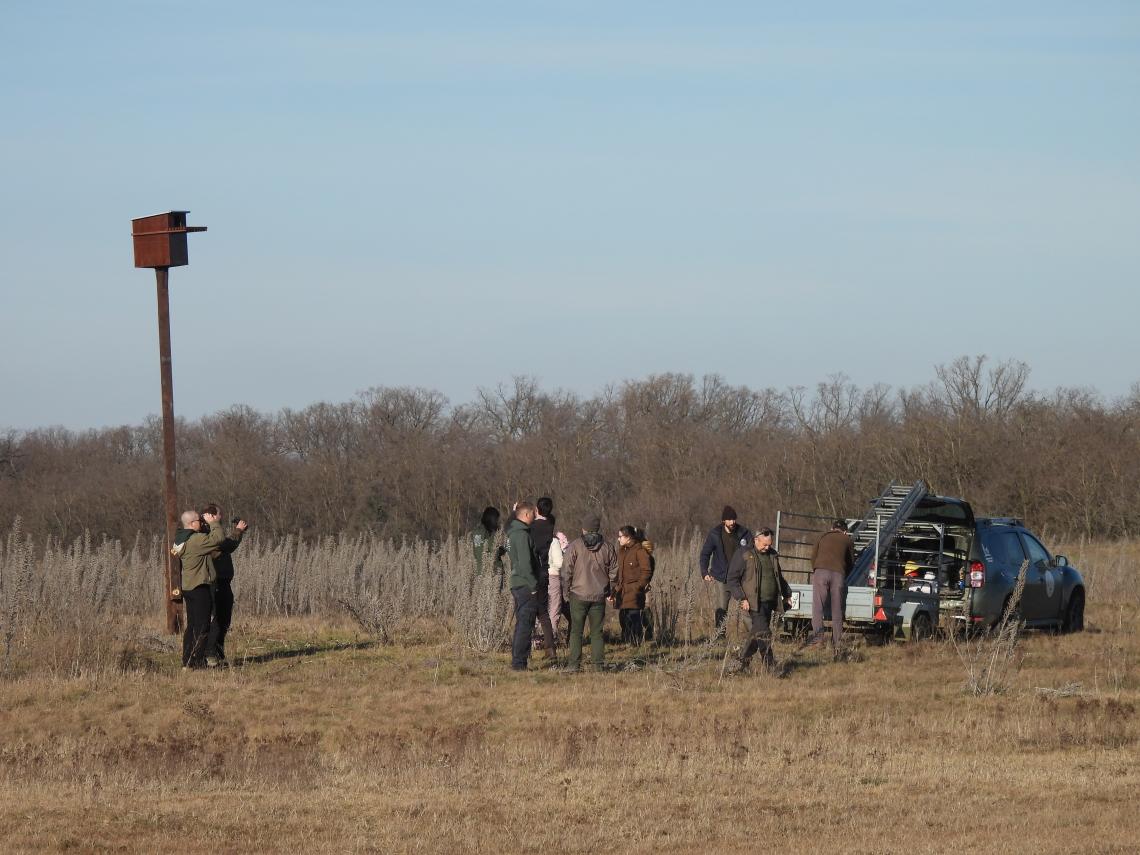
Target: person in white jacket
<point>557,546</point>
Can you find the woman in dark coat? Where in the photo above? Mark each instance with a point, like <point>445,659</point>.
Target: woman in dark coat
<point>635,570</point>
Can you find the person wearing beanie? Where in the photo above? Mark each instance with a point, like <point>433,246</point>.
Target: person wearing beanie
<point>721,544</point>
<point>589,571</point>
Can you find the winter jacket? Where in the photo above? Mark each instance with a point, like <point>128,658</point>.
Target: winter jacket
<point>194,548</point>
<point>834,551</point>
<point>524,563</point>
<point>554,557</point>
<point>634,574</point>
<point>757,577</point>
<point>714,550</point>
<point>542,532</point>
<point>223,562</point>
<point>589,569</point>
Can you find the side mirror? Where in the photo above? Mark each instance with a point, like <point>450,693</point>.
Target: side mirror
<point>1059,561</point>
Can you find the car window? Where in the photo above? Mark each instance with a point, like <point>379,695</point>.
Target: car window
<point>1004,546</point>
<point>1037,552</point>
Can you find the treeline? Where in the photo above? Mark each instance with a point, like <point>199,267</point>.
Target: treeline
<point>666,452</point>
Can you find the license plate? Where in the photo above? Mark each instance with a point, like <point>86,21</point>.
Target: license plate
<point>795,598</point>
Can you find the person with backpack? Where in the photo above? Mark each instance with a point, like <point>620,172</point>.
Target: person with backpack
<point>635,572</point>
<point>757,581</point>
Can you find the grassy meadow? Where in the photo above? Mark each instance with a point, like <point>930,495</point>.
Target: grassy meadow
<point>402,729</point>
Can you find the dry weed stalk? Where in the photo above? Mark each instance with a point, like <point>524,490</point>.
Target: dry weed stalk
<point>991,659</point>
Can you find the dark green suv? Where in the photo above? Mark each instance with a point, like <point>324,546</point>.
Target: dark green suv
<point>1054,594</point>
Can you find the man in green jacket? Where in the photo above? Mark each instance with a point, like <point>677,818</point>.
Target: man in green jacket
<point>194,548</point>
<point>523,582</point>
<point>756,580</point>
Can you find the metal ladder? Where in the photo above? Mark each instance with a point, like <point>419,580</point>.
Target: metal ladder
<point>877,530</point>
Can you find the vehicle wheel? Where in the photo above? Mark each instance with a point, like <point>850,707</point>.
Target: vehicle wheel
<point>1074,619</point>
<point>921,628</point>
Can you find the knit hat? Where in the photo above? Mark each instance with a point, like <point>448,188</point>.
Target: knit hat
<point>592,523</point>
<point>729,513</point>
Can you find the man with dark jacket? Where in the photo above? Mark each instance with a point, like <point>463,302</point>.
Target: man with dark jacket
<point>523,582</point>
<point>721,545</point>
<point>542,533</point>
<point>832,560</point>
<point>223,592</point>
<point>194,548</point>
<point>756,580</point>
<point>589,571</point>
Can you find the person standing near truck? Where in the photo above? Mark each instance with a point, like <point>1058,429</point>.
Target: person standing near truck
<point>721,545</point>
<point>831,561</point>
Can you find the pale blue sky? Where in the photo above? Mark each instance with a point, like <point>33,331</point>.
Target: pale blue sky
<point>445,194</point>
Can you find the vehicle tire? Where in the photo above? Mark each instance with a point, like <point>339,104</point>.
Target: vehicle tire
<point>1074,619</point>
<point>921,627</point>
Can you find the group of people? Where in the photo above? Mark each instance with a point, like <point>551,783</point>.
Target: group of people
<point>205,551</point>
<point>745,567</point>
<point>552,576</point>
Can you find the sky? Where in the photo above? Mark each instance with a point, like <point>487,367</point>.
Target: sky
<point>449,194</point>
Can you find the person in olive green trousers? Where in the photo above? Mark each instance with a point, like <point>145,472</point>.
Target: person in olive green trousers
<point>589,571</point>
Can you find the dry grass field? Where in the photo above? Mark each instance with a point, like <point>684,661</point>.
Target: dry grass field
<point>320,739</point>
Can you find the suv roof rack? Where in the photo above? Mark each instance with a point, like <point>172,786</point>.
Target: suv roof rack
<point>1001,521</point>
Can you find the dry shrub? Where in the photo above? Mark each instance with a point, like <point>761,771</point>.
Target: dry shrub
<point>71,609</point>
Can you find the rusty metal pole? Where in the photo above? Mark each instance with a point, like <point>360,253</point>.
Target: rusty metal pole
<point>170,485</point>
<point>160,243</point>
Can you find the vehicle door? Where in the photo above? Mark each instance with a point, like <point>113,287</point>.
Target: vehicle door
<point>1004,555</point>
<point>1042,600</point>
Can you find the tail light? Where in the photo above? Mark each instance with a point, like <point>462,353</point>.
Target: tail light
<point>977,574</point>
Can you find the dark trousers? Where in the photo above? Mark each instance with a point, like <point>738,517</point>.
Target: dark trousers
<point>223,615</point>
<point>544,622</point>
<point>827,585</point>
<point>199,606</point>
<point>526,611</point>
<point>759,621</point>
<point>579,611</point>
<point>632,626</point>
